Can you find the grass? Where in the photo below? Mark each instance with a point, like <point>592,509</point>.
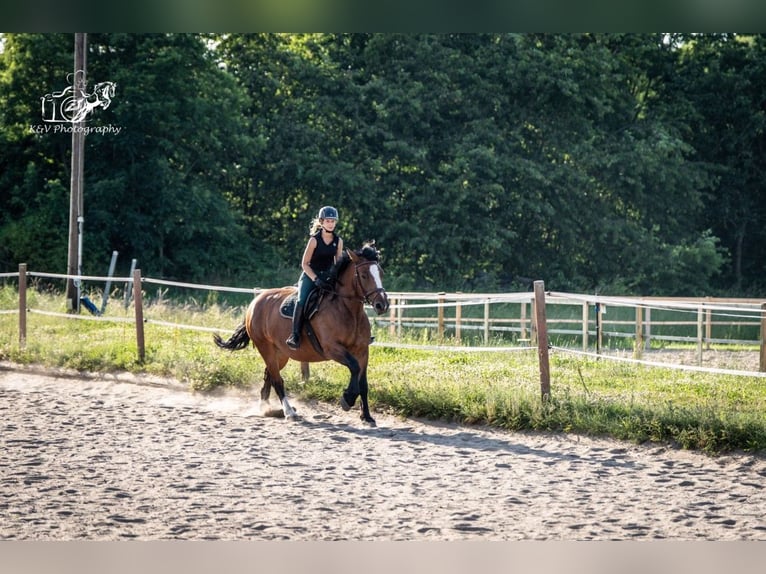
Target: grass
<point>708,412</point>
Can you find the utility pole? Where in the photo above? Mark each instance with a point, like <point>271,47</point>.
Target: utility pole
<point>76,203</point>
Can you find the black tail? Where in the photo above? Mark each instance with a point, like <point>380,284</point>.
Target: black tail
<point>237,341</point>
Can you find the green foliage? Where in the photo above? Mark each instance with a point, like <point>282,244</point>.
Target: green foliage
<point>627,163</point>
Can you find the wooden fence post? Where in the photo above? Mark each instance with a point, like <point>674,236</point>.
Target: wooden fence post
<point>139,305</point>
<point>648,329</point>
<point>22,304</point>
<point>392,318</point>
<point>458,319</point>
<point>542,341</point>
<point>639,346</point>
<point>305,371</point>
<point>585,318</point>
<point>128,286</point>
<point>440,322</point>
<point>523,321</point>
<point>598,327</point>
<point>700,333</point>
<point>486,322</point>
<point>763,338</point>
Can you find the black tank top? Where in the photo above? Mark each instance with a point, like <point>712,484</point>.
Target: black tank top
<point>324,254</point>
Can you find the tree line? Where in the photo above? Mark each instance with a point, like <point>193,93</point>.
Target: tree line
<point>615,163</point>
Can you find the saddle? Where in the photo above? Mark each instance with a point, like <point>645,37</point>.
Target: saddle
<point>312,304</point>
<point>313,301</point>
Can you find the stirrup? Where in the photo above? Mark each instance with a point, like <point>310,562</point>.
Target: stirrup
<point>293,342</point>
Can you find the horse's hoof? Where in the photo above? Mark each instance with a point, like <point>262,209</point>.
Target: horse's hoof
<point>370,422</point>
<point>293,417</point>
<point>344,404</point>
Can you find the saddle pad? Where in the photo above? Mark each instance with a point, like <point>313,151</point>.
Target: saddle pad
<point>288,306</point>
<point>312,304</point>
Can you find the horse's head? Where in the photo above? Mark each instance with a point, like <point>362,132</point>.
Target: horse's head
<point>104,92</point>
<point>368,277</point>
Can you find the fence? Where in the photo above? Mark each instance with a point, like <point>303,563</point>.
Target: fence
<point>565,317</point>
<point>582,318</point>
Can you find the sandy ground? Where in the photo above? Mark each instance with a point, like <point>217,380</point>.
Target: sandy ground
<point>711,358</point>
<point>109,458</point>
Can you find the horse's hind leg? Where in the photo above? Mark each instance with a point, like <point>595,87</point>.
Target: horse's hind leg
<point>265,392</point>
<point>273,370</point>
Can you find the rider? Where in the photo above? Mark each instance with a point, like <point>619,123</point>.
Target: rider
<point>323,249</point>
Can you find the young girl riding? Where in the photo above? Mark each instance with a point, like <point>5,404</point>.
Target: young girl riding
<point>323,249</point>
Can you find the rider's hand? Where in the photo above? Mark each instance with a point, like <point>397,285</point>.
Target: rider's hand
<point>322,284</point>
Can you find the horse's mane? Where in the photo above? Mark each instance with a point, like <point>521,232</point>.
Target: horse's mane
<point>367,251</point>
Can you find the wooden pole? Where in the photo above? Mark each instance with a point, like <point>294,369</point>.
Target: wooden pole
<point>598,328</point>
<point>648,329</point>
<point>76,179</point>
<point>129,284</point>
<point>486,322</point>
<point>763,338</point>
<point>458,319</point>
<point>639,346</point>
<point>139,305</point>
<point>542,341</point>
<point>700,333</point>
<point>523,321</point>
<point>392,318</point>
<point>305,371</point>
<point>22,304</point>
<point>585,317</point>
<point>440,322</point>
<point>110,274</point>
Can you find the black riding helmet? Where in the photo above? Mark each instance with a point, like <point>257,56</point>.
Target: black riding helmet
<point>328,212</point>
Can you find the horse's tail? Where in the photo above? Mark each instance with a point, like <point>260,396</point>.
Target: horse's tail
<point>237,341</point>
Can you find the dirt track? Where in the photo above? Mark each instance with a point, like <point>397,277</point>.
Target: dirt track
<point>110,459</point>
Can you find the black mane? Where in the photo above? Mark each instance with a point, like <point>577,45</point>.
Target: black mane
<point>367,251</point>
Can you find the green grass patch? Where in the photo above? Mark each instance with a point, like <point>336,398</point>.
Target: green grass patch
<point>709,412</point>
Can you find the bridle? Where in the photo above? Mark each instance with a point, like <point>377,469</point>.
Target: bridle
<point>366,297</point>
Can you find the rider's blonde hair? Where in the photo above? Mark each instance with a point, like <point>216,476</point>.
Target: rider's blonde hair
<point>316,225</point>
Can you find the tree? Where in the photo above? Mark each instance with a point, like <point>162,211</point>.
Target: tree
<point>724,76</point>
<point>157,191</point>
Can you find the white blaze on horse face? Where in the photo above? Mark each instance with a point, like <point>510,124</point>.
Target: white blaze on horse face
<point>375,272</point>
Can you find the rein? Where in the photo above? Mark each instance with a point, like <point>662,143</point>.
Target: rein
<point>365,298</point>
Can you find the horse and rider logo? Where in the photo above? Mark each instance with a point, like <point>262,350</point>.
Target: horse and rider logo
<point>74,104</point>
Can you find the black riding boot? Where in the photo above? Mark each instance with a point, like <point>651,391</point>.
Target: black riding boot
<point>295,339</point>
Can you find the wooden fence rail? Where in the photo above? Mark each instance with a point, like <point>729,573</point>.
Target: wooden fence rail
<point>416,310</point>
<point>590,327</point>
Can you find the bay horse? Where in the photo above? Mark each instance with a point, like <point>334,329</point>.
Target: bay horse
<point>340,324</point>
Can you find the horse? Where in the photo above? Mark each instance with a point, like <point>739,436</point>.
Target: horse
<point>341,329</point>
<point>79,109</point>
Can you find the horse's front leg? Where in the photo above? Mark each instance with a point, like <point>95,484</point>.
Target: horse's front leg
<point>366,416</point>
<point>348,398</point>
<point>357,387</point>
